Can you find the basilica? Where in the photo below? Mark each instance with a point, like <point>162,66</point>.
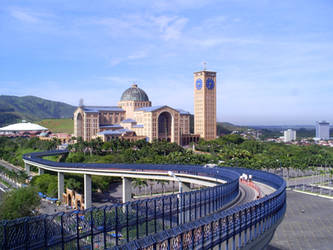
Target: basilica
<point>134,118</point>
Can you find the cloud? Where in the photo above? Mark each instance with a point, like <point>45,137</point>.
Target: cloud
<point>143,26</point>
<point>118,81</point>
<point>178,5</point>
<point>140,54</point>
<point>24,16</point>
<point>174,30</point>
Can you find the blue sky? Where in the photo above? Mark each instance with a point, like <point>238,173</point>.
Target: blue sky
<point>274,59</point>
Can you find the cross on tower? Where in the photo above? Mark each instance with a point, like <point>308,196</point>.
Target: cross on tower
<point>204,64</point>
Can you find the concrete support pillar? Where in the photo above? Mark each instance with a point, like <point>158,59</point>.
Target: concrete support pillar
<point>87,191</point>
<point>40,171</point>
<point>184,187</point>
<point>127,190</point>
<point>27,168</point>
<point>61,185</point>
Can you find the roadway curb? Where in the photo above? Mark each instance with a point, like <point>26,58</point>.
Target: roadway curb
<point>313,194</point>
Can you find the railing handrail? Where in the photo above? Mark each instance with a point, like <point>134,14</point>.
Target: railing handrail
<point>226,192</point>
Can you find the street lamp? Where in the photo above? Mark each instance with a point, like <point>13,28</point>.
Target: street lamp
<point>172,174</point>
<point>180,196</point>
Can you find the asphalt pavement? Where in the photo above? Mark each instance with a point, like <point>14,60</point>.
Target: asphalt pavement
<point>308,224</point>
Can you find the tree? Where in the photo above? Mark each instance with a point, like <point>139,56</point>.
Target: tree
<point>139,183</point>
<point>162,182</point>
<point>19,203</point>
<point>46,183</point>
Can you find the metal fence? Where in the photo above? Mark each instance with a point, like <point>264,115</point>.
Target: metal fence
<point>120,224</point>
<point>313,189</point>
<point>237,226</point>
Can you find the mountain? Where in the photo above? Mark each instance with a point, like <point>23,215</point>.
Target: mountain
<point>224,128</point>
<point>14,109</point>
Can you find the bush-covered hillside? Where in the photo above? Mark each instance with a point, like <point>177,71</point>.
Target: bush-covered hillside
<point>31,108</point>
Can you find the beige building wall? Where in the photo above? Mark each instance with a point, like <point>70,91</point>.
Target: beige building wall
<point>145,119</point>
<point>205,106</point>
<point>110,117</point>
<point>86,124</point>
<point>131,106</point>
<point>184,124</point>
<point>91,125</point>
<point>174,123</point>
<point>149,120</point>
<point>78,122</point>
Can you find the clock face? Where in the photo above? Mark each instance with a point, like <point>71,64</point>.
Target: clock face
<point>210,83</point>
<point>198,84</point>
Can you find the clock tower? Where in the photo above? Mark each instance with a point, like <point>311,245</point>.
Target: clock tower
<point>205,104</point>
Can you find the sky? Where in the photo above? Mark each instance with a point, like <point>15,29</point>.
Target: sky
<point>274,59</point>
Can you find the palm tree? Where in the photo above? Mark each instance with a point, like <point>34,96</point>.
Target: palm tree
<point>139,183</point>
<point>162,182</point>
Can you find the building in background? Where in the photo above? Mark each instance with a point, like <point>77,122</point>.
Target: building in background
<point>22,129</point>
<point>133,119</point>
<point>289,135</point>
<point>205,104</point>
<point>322,130</point>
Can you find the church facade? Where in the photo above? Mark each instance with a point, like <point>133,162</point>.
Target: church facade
<point>134,118</point>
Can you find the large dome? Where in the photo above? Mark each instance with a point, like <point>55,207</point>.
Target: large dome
<point>134,94</point>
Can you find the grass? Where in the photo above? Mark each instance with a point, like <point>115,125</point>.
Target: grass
<point>65,125</point>
<point>51,157</point>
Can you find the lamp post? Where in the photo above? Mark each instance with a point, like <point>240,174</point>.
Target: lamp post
<point>172,174</point>
<point>180,196</point>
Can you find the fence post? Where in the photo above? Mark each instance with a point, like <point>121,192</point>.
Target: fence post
<point>77,231</point>
<point>155,222</point>
<point>227,232</point>
<point>45,231</point>
<point>240,229</point>
<point>4,243</point>
<point>146,218</point>
<point>91,228</point>
<point>233,232</point>
<point>104,227</point>
<point>171,212</point>
<point>116,225</point>
<point>26,233</point>
<point>127,229</point>
<point>190,207</point>
<point>137,220</point>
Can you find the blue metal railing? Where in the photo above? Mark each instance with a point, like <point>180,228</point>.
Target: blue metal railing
<point>119,224</point>
<point>236,226</point>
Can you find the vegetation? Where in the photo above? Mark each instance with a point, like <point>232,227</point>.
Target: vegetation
<point>19,203</point>
<point>139,183</point>
<point>18,176</point>
<point>31,108</point>
<point>225,128</point>
<point>65,125</point>
<point>233,150</point>
<point>47,184</point>
<point>12,149</point>
<point>228,150</point>
<point>123,151</point>
<point>277,132</point>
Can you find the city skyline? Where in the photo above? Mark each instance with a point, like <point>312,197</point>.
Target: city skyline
<point>273,59</point>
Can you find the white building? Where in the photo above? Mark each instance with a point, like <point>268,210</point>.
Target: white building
<point>289,135</point>
<point>322,130</point>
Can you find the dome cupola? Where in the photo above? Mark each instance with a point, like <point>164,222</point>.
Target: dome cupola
<point>134,93</point>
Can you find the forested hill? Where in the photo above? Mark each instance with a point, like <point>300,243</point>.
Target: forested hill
<point>31,108</point>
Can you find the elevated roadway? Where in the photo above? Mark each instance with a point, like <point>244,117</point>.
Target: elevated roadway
<point>200,219</point>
